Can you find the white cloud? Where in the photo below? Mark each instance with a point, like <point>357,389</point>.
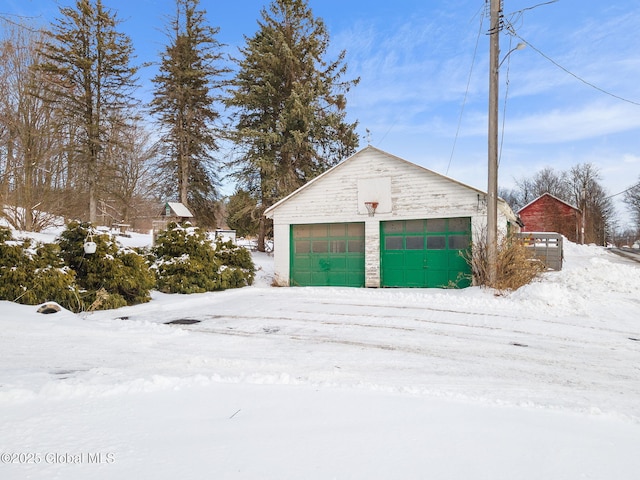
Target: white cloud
<point>568,125</point>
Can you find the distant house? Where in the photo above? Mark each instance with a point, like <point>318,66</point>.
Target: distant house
<point>376,220</point>
<point>172,212</point>
<point>176,212</point>
<point>548,213</point>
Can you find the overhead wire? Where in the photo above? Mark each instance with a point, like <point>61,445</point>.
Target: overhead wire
<point>504,103</point>
<point>637,185</point>
<point>577,77</point>
<point>466,93</point>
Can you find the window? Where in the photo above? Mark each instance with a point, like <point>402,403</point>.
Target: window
<point>414,226</point>
<point>415,243</point>
<point>320,246</point>
<point>302,246</point>
<point>436,242</point>
<point>301,231</point>
<point>337,230</point>
<point>459,242</point>
<point>338,246</point>
<point>393,227</point>
<point>393,243</point>
<point>437,225</point>
<point>319,230</point>
<point>355,246</point>
<point>458,224</point>
<point>355,230</point>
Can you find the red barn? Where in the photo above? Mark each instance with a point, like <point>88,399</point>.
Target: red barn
<point>550,214</point>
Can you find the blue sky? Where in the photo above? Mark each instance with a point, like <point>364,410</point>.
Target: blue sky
<point>423,66</point>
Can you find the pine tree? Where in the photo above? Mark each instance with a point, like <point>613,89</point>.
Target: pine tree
<point>290,107</point>
<point>186,110</point>
<point>240,210</point>
<point>91,80</point>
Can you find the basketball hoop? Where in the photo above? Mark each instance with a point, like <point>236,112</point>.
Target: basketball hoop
<point>371,207</point>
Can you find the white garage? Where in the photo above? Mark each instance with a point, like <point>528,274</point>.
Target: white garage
<point>376,220</point>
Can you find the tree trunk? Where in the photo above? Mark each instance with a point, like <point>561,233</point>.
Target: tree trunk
<point>93,203</point>
<point>262,233</point>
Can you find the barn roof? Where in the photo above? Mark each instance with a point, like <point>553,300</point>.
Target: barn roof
<point>547,194</point>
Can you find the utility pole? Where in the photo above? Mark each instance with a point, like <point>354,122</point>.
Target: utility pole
<point>492,189</point>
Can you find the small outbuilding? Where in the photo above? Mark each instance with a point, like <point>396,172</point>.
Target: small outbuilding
<point>376,220</point>
<point>548,213</point>
<point>171,212</point>
<point>177,212</point>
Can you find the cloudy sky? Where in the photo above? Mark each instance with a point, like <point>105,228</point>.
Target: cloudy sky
<point>572,96</point>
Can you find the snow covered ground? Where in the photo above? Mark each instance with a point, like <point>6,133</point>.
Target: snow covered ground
<point>333,383</point>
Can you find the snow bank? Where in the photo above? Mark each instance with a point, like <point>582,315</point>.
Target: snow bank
<point>317,383</point>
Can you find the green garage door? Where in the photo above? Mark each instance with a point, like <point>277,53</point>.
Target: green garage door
<point>425,253</point>
<point>330,254</point>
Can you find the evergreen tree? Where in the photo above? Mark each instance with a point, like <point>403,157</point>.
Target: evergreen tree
<point>289,100</point>
<point>91,80</point>
<point>241,209</point>
<point>186,110</point>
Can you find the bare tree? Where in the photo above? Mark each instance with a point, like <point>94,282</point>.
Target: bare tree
<point>546,180</point>
<point>29,172</point>
<point>597,208</point>
<point>129,175</point>
<point>632,199</point>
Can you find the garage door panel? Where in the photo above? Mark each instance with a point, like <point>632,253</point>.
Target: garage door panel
<point>327,254</point>
<point>394,278</point>
<point>439,278</point>
<point>457,261</point>
<point>414,278</point>
<point>424,253</point>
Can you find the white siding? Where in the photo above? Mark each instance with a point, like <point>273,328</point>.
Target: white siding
<point>416,193</point>
<point>372,253</point>
<point>281,255</point>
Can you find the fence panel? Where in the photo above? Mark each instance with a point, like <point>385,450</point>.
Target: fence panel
<point>545,246</point>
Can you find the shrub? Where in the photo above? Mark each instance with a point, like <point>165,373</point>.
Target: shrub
<point>120,275</point>
<point>237,268</point>
<point>188,262</point>
<point>515,265</point>
<point>33,273</point>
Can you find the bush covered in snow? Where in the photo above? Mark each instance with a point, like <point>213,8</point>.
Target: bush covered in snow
<point>184,260</point>
<point>33,273</point>
<point>188,262</point>
<point>237,268</point>
<point>112,276</point>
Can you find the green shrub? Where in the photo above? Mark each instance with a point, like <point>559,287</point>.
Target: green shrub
<point>121,275</point>
<point>188,262</point>
<point>237,268</point>
<point>33,273</point>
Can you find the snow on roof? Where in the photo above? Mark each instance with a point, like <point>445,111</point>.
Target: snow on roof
<point>179,209</point>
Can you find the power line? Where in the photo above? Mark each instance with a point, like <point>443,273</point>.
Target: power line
<point>504,105</point>
<point>637,185</point>
<point>466,93</point>
<point>602,90</point>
